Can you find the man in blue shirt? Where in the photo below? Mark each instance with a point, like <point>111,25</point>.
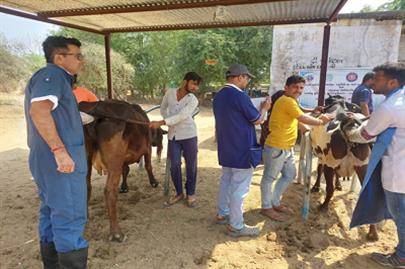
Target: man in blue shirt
<point>238,151</point>
<point>57,158</point>
<point>362,95</point>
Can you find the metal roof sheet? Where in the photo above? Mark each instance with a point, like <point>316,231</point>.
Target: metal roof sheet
<point>105,16</point>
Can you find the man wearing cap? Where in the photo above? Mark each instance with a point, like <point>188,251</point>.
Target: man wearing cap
<point>238,151</point>
<point>177,108</point>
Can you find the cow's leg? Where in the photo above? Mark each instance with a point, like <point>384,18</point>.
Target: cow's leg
<point>361,173</point>
<point>124,184</point>
<point>111,193</point>
<point>338,185</point>
<point>159,149</point>
<point>319,171</point>
<point>329,176</point>
<point>89,156</point>
<point>148,166</point>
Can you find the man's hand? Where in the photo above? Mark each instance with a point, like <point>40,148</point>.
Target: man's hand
<point>156,124</point>
<point>266,104</point>
<point>325,118</point>
<point>318,109</point>
<point>64,161</point>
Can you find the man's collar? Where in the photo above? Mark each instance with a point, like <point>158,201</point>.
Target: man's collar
<point>233,85</point>
<point>58,66</point>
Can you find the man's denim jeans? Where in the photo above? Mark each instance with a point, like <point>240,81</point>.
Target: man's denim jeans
<point>276,161</point>
<point>396,206</point>
<point>233,189</point>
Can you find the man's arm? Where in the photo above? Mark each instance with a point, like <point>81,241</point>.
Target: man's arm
<point>307,119</point>
<point>364,108</point>
<point>40,113</point>
<point>264,107</point>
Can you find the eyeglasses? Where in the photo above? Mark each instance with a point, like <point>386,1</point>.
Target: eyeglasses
<point>78,56</point>
<point>248,78</point>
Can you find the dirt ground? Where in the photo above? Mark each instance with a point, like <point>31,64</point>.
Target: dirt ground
<point>180,237</point>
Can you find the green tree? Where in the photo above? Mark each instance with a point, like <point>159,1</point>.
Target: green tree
<point>160,59</point>
<point>94,77</point>
<point>392,5</point>
<point>250,46</point>
<point>14,71</point>
<point>151,55</point>
<point>367,8</point>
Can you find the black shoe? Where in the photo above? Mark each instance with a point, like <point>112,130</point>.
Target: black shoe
<point>389,260</point>
<point>49,255</point>
<point>76,259</point>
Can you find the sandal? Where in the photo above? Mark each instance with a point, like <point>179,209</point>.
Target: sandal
<point>174,199</point>
<point>221,220</point>
<point>190,201</point>
<point>271,213</point>
<point>283,209</point>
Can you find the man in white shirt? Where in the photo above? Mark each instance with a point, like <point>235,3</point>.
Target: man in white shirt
<point>177,110</point>
<point>389,80</point>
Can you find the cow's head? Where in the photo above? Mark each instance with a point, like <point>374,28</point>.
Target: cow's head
<point>336,104</point>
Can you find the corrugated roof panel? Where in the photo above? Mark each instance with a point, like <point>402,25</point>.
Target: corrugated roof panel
<point>260,13</point>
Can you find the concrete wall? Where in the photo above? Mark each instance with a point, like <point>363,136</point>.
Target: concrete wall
<point>354,43</point>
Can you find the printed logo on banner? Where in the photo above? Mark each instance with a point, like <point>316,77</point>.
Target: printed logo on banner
<point>352,76</point>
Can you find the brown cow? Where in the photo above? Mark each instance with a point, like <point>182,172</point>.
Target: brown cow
<point>338,155</point>
<point>157,141</point>
<point>118,137</point>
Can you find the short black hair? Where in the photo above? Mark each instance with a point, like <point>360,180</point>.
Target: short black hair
<point>193,76</point>
<point>53,43</point>
<point>393,71</point>
<point>368,76</point>
<point>294,79</point>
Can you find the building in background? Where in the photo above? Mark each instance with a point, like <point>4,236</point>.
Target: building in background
<point>358,42</point>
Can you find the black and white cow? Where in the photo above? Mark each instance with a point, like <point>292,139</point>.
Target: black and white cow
<point>337,155</point>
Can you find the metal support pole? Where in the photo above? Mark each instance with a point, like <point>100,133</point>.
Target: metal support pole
<point>301,164</point>
<point>107,40</point>
<point>324,64</point>
<point>307,179</point>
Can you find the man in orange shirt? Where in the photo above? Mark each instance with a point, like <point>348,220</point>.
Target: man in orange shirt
<point>82,94</point>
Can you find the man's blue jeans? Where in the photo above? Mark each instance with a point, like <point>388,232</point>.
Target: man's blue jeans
<point>396,206</point>
<point>275,161</point>
<point>233,189</point>
<point>189,149</point>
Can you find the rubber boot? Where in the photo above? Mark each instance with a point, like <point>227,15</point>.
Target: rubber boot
<point>76,259</point>
<point>49,255</point>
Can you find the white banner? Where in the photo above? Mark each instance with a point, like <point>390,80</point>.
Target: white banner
<point>339,81</point>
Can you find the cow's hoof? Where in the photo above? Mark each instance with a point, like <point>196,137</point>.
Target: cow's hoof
<point>338,188</point>
<point>315,189</point>
<point>372,237</point>
<point>323,208</point>
<point>118,237</point>
<point>124,190</point>
<point>154,184</point>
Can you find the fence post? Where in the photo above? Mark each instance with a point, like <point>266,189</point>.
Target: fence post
<point>307,177</point>
<point>301,163</point>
